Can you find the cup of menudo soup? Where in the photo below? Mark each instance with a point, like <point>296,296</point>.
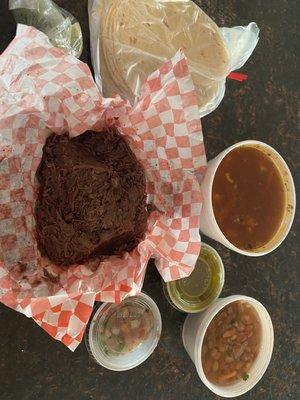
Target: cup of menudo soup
<point>249,198</point>
<point>230,343</point>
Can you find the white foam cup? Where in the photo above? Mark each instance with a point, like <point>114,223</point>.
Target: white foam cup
<point>193,333</point>
<point>208,223</point>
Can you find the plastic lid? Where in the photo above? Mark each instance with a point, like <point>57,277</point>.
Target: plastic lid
<point>118,356</point>
<point>202,287</point>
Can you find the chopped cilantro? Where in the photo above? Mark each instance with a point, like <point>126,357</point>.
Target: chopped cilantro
<point>245,377</point>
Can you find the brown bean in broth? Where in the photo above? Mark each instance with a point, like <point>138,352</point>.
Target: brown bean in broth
<point>231,343</point>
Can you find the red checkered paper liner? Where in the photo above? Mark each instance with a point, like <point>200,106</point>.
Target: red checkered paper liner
<point>43,90</point>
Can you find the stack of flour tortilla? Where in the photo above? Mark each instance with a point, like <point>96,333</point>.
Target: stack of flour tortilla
<point>137,36</point>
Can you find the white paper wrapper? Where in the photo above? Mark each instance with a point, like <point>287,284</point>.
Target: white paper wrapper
<point>43,90</point>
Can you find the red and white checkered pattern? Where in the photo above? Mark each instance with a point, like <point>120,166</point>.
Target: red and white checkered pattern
<point>41,90</point>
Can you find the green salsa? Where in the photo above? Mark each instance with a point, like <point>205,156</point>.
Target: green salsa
<point>202,287</point>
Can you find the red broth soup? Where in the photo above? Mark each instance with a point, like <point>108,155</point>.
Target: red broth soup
<point>248,198</point>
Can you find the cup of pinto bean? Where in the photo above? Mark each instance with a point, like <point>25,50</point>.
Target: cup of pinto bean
<point>230,343</point>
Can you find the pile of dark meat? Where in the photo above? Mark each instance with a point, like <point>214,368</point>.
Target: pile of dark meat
<point>92,198</point>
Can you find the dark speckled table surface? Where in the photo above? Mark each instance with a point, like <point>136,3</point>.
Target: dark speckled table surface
<point>265,107</point>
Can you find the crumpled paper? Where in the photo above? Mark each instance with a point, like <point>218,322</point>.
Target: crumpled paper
<point>43,90</point>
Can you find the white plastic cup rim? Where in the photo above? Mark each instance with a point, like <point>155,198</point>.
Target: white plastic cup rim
<point>193,333</point>
<point>214,231</point>
<point>114,366</point>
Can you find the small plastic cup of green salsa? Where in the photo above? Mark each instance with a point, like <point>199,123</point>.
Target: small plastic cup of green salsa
<point>196,292</point>
<point>122,336</point>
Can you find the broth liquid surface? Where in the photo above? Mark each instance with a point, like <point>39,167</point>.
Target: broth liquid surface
<point>248,197</point>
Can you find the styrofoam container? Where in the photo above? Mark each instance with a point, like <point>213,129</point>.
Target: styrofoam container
<point>208,223</point>
<point>126,361</point>
<point>193,333</point>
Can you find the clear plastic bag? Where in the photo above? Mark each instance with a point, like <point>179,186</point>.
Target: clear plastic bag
<point>132,38</point>
<point>62,29</point>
